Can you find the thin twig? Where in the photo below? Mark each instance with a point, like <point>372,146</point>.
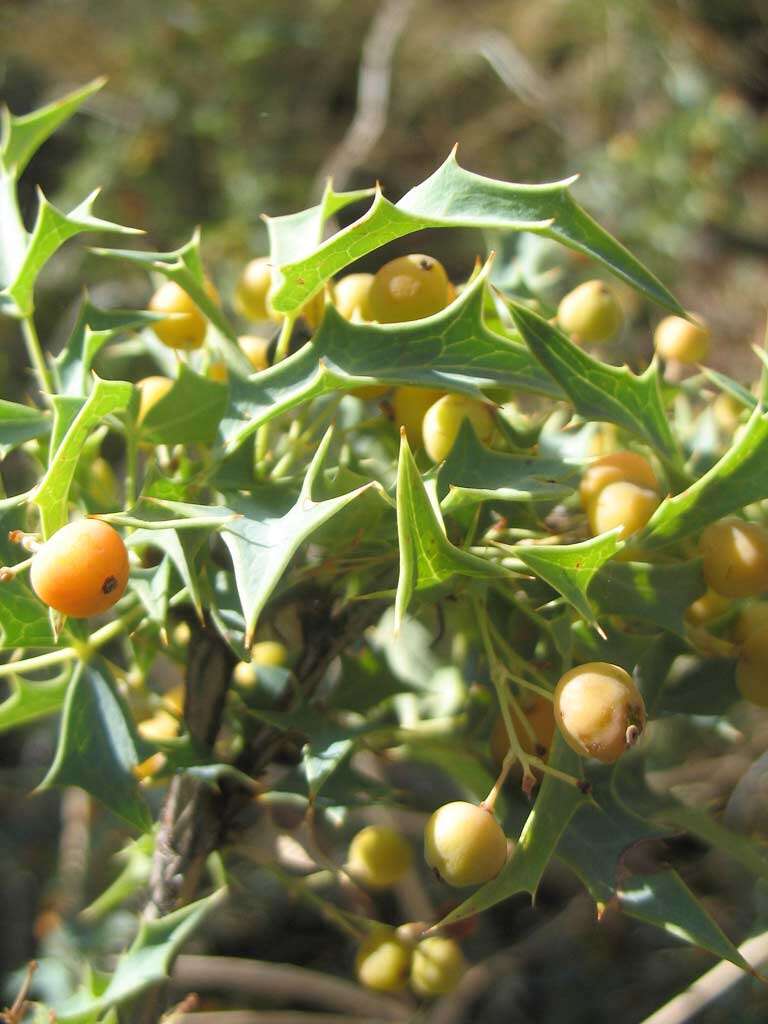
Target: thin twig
<point>272,1017</point>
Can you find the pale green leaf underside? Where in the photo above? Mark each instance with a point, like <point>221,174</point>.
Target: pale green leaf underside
<point>454,197</point>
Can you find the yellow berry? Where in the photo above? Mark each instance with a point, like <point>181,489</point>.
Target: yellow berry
<point>253,288</point>
<point>752,668</point>
<point>187,329</point>
<point>682,340</point>
<point>410,406</point>
<point>437,966</point>
<point>269,654</point>
<point>599,710</point>
<point>613,468</point>
<point>408,288</point>
<point>728,411</point>
<point>82,569</point>
<point>379,856</point>
<point>622,504</point>
<point>752,619</point>
<point>540,717</point>
<point>255,350</point>
<point>709,606</point>
<point>217,370</point>
<point>383,961</point>
<point>151,391</point>
<point>735,557</point>
<point>591,313</point>
<point>350,296</point>
<point>464,844</point>
<point>443,420</point>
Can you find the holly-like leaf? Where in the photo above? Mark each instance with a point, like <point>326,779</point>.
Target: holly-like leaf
<point>473,473</point>
<point>453,350</point>
<point>53,228</point>
<point>427,557</point>
<point>190,411</point>
<point>555,805</point>
<point>738,479</point>
<point>295,235</point>
<point>24,620</point>
<point>98,747</point>
<point>30,701</point>
<point>601,392</point>
<point>147,961</point>
<point>20,423</point>
<point>267,535</point>
<point>454,197</point>
<point>660,594</point>
<point>93,329</point>
<point>571,568</point>
<point>51,494</point>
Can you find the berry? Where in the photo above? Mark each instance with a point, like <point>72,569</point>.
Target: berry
<point>82,569</point>
<point>408,288</point>
<point>379,856</point>
<point>538,711</point>
<point>622,504</point>
<point>218,371</point>
<point>253,288</point>
<point>437,966</point>
<point>443,419</point>
<point>186,331</point>
<point>350,295</point>
<point>753,619</point>
<point>735,557</point>
<point>679,339</point>
<point>590,313</point>
<point>151,391</point>
<point>264,654</point>
<point>728,411</point>
<point>464,844</point>
<point>383,961</point>
<point>410,406</point>
<point>613,468</point>
<point>599,710</point>
<point>752,668</point>
<point>709,606</point>
<point>255,350</point>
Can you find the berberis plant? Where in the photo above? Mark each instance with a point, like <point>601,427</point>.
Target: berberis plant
<point>314,561</point>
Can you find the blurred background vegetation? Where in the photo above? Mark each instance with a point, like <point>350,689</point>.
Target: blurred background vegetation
<point>218,112</point>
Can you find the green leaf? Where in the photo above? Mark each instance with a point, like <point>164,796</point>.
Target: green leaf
<point>571,568</point>
<point>181,547</point>
<point>22,136</point>
<point>24,620</point>
<point>266,537</point>
<point>601,392</point>
<point>52,493</point>
<point>20,423</point>
<point>93,329</point>
<point>427,557</point>
<point>30,701</point>
<point>53,228</point>
<point>554,807</point>
<point>147,961</point>
<point>190,411</point>
<point>453,197</point>
<point>738,479</point>
<point>453,350</point>
<point>98,748</point>
<point>473,473</point>
<point>296,234</point>
<point>660,594</point>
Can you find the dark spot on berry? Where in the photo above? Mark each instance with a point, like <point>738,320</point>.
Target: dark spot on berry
<point>541,750</point>
<point>109,584</point>
<point>426,264</point>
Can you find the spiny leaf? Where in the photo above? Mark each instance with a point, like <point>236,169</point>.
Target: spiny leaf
<point>190,411</point>
<point>427,557</point>
<point>30,701</point>
<point>20,423</point>
<point>52,492</point>
<point>453,197</point>
<point>599,391</point>
<point>656,593</point>
<point>295,235</point>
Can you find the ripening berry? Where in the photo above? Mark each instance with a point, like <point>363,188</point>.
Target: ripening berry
<point>255,350</point>
<point>383,961</point>
<point>264,654</point>
<point>599,710</point>
<point>735,557</point>
<point>437,966</point>
<point>378,856</point>
<point>408,288</point>
<point>187,330</point>
<point>151,391</point>
<point>614,468</point>
<point>706,608</point>
<point>622,504</point>
<point>218,371</point>
<point>351,296</point>
<point>682,340</point>
<point>752,668</point>
<point>443,419</point>
<point>253,288</point>
<point>590,313</point>
<point>752,619</point>
<point>728,411</point>
<point>464,844</point>
<point>82,569</point>
<point>410,406</point>
<point>541,718</point>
